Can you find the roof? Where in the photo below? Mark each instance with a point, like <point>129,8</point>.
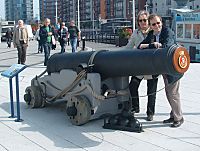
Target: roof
<point>185,9</point>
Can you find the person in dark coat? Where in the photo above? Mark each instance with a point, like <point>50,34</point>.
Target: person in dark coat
<point>45,34</point>
<point>54,38</point>
<point>9,35</point>
<point>74,35</point>
<point>63,36</point>
<point>162,37</point>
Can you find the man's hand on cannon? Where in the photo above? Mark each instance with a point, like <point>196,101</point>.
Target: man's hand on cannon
<point>157,44</point>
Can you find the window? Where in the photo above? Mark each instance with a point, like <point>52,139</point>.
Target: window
<point>196,31</point>
<point>188,30</point>
<point>168,2</point>
<point>179,30</point>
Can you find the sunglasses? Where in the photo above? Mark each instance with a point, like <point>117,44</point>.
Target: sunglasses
<point>154,24</point>
<point>144,20</point>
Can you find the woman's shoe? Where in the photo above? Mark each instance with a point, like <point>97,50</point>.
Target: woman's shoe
<point>149,117</point>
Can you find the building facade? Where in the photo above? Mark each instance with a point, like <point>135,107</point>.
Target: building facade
<point>99,11</point>
<point>164,7</point>
<point>17,9</point>
<point>94,13</point>
<point>48,10</point>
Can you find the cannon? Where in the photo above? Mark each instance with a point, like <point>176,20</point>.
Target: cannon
<point>95,84</point>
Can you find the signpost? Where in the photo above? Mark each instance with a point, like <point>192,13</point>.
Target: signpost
<point>10,73</point>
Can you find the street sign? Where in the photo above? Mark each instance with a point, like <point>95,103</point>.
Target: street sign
<point>13,70</point>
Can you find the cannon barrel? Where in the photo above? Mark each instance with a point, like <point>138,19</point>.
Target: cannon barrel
<point>173,60</point>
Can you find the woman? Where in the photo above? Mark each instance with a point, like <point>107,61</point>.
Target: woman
<point>136,38</point>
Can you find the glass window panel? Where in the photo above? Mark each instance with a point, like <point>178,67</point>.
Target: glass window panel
<point>196,31</point>
<point>188,30</point>
<point>179,30</point>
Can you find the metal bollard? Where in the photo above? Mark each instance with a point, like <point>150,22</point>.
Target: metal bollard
<point>83,43</point>
<point>68,41</point>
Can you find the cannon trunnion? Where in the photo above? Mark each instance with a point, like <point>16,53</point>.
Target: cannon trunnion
<point>96,84</point>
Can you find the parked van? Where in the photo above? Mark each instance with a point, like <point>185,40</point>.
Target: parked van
<point>5,25</point>
<point>4,29</point>
<point>30,32</point>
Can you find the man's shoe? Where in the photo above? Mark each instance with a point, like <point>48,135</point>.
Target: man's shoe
<point>133,110</point>
<point>149,117</point>
<point>170,120</point>
<point>177,123</point>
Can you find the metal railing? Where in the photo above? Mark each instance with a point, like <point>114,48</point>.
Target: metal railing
<point>102,38</point>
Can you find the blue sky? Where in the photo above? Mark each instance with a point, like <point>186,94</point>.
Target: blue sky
<point>2,9</point>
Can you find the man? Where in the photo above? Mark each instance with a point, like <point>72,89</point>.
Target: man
<point>63,36</point>
<point>20,40</point>
<point>161,37</point>
<point>45,34</point>
<point>74,35</point>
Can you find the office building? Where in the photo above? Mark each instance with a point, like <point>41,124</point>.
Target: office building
<point>17,9</point>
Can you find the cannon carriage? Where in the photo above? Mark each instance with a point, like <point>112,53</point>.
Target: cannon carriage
<point>96,84</point>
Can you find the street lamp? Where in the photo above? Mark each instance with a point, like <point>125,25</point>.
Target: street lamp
<point>133,4</point>
<point>92,20</point>
<point>56,11</point>
<point>0,27</point>
<point>78,15</point>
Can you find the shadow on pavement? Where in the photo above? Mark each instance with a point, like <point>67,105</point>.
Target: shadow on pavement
<point>52,122</point>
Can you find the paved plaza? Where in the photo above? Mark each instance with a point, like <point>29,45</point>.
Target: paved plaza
<point>48,129</point>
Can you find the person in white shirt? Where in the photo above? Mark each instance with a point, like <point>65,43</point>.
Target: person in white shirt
<point>37,37</point>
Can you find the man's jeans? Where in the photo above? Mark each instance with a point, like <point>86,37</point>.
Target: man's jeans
<point>47,49</point>
<point>73,42</point>
<point>63,45</point>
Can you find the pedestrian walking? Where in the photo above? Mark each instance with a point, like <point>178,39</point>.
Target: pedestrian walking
<point>37,37</point>
<point>20,41</point>
<point>74,35</point>
<point>162,37</point>
<point>9,35</point>
<point>136,38</point>
<point>54,38</point>
<point>63,36</point>
<point>45,34</point>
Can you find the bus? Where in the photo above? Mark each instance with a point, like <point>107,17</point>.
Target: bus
<point>5,25</point>
<point>188,33</point>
